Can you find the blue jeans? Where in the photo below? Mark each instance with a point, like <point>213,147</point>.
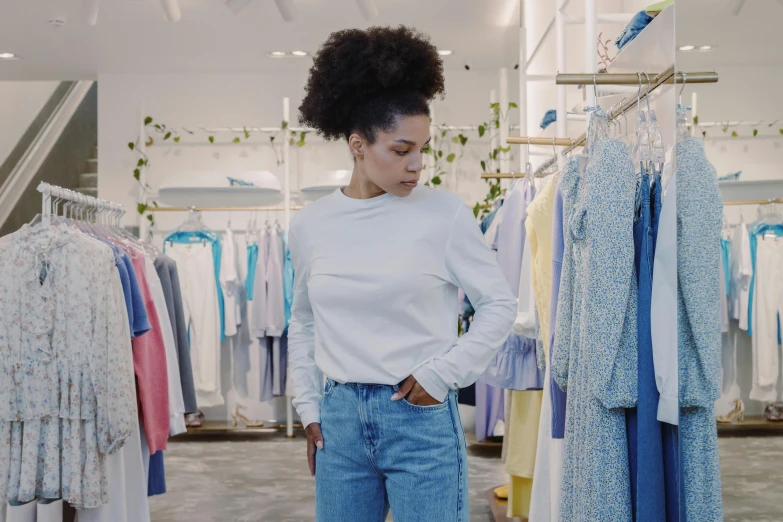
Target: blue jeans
<point>380,453</point>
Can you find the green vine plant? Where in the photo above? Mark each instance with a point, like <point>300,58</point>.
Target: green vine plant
<point>482,208</point>
<point>440,148</point>
<point>497,152</point>
<point>165,133</point>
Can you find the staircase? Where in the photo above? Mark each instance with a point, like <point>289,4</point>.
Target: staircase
<point>88,179</point>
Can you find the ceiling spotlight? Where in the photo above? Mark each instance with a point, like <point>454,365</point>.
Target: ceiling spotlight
<point>368,8</point>
<point>8,56</point>
<point>687,48</point>
<point>299,53</point>
<point>277,54</point>
<point>444,52</point>
<point>91,8</point>
<point>171,10</point>
<point>735,6</point>
<point>287,9</point>
<point>237,6</point>
<point>706,48</point>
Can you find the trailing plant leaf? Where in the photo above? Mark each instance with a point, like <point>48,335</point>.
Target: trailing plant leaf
<point>512,105</point>
<point>482,129</point>
<point>167,136</point>
<point>147,120</point>
<point>155,204</point>
<point>463,139</point>
<point>695,119</point>
<point>451,157</point>
<point>484,163</point>
<point>211,139</point>
<point>176,139</point>
<point>443,134</point>
<point>236,140</point>
<point>755,132</point>
<point>440,154</point>
<point>137,174</point>
<point>151,219</point>
<point>436,180</point>
<point>734,134</point>
<point>132,145</point>
<point>272,139</point>
<point>455,139</point>
<point>247,134</point>
<point>141,208</point>
<point>476,209</point>
<point>284,125</point>
<point>140,163</point>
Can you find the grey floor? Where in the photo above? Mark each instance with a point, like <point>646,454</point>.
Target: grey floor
<point>268,481</point>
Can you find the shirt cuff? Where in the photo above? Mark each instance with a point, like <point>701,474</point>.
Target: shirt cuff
<point>432,383</point>
<point>310,416</point>
<point>177,425</point>
<point>669,410</point>
<point>525,325</point>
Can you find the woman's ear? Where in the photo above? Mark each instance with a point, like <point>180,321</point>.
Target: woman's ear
<point>356,146</point>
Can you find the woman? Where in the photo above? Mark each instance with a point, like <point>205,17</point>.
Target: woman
<point>378,265</point>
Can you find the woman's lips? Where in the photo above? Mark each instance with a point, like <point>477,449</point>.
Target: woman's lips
<point>410,184</point>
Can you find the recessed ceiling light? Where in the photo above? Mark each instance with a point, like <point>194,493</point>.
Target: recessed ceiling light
<point>687,48</point>
<point>299,53</point>
<point>705,48</point>
<point>277,54</point>
<point>8,56</point>
<point>444,52</point>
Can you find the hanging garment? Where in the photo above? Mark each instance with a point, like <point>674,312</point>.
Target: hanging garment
<point>195,263</point>
<point>259,309</point>
<point>288,280</point>
<point>741,270</point>
<point>767,307</point>
<point>699,219</point>
<point>169,279</point>
<point>137,313</point>
<point>229,283</point>
<point>252,260</point>
<point>645,432</point>
<point>65,330</point>
<point>760,229</point>
<point>274,322</point>
<point>600,367</point>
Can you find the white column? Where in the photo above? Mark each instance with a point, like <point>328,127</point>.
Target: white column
<point>562,100</point>
<point>505,159</point>
<point>289,424</point>
<point>522,84</point>
<point>591,44</point>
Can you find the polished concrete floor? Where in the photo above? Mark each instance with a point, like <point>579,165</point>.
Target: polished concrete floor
<point>268,481</point>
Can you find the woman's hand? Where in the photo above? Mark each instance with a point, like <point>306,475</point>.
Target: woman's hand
<point>314,440</point>
<point>412,391</point>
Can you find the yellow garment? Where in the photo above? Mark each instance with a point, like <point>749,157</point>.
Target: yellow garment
<point>539,235</point>
<point>522,432</point>
<point>520,490</point>
<point>501,492</point>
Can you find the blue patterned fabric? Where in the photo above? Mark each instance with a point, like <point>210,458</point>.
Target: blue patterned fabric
<point>632,30</point>
<point>595,343</point>
<point>699,222</point>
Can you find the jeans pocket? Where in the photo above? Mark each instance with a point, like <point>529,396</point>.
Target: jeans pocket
<point>329,387</point>
<point>433,408</point>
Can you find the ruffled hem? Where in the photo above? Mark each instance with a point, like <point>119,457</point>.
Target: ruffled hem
<point>515,366</point>
<point>31,390</point>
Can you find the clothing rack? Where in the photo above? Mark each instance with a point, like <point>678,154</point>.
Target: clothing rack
<point>219,209</point>
<point>668,76</point>
<point>48,190</point>
<point>755,202</point>
<point>507,175</point>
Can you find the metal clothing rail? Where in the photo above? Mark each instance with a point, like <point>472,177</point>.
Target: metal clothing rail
<point>218,209</point>
<point>47,191</point>
<point>754,202</point>
<point>529,140</point>
<point>506,175</point>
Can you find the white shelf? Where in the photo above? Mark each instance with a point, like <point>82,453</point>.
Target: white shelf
<point>219,196</point>
<point>751,190</point>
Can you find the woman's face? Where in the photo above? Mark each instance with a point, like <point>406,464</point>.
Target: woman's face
<point>394,162</point>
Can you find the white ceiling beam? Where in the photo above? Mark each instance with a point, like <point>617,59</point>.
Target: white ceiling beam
<point>171,10</point>
<point>735,6</point>
<point>370,10</point>
<point>287,9</point>
<point>237,6</point>
<point>91,9</point>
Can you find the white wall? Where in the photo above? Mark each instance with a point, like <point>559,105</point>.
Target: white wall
<point>20,102</point>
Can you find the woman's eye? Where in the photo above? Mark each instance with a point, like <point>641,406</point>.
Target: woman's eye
<point>401,152</point>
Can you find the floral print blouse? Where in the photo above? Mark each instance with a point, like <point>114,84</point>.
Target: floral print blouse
<point>67,391</point>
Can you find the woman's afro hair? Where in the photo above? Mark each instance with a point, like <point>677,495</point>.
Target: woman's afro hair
<point>362,81</point>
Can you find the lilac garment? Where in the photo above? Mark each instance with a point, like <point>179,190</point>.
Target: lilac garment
<point>515,366</point>
<point>558,395</point>
<point>489,409</point>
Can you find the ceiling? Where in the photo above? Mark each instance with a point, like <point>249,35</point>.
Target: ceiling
<point>750,38</point>
<point>132,36</point>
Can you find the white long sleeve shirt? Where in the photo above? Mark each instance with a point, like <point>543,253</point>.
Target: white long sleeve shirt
<point>375,285</point>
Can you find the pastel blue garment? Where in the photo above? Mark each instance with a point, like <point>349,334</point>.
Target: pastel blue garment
<point>140,319</point>
<point>288,280</point>
<point>759,229</point>
<point>632,30</point>
<point>725,246</point>
<point>250,280</point>
<point>549,118</point>
<point>558,396</point>
<point>156,483</point>
<point>186,237</point>
<point>645,432</point>
<point>515,366</point>
<point>699,218</point>
<point>600,351</point>
<point>380,454</point>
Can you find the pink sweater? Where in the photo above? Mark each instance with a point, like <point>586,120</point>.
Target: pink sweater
<point>149,363</point>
